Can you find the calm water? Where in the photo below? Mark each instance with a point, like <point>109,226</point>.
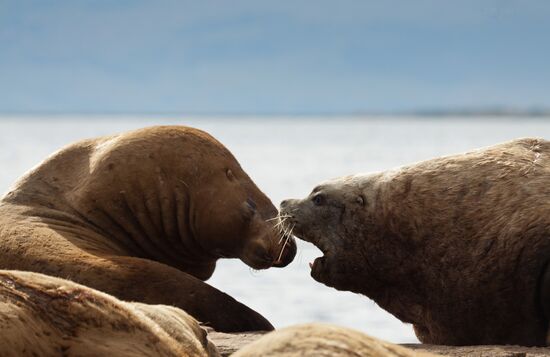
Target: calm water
<point>287,157</point>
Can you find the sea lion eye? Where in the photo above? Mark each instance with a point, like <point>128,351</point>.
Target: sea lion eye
<point>251,204</point>
<point>318,200</point>
<point>249,209</point>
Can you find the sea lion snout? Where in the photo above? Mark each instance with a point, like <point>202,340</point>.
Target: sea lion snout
<point>288,251</point>
<point>262,255</point>
<point>268,245</point>
<point>289,209</point>
<point>299,218</point>
<point>286,203</point>
<point>314,219</point>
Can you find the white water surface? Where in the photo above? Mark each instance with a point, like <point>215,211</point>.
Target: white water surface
<point>286,157</point>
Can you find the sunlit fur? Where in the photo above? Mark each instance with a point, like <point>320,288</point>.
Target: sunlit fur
<point>45,316</point>
<point>312,340</point>
<point>144,216</point>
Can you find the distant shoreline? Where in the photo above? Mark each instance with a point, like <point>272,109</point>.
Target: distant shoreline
<point>358,114</point>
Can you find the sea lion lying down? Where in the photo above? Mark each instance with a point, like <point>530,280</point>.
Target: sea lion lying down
<point>144,216</point>
<point>317,339</point>
<point>459,246</point>
<point>45,316</point>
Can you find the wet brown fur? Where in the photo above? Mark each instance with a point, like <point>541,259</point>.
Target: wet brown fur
<point>457,246</point>
<point>317,339</point>
<point>144,216</point>
<point>45,316</point>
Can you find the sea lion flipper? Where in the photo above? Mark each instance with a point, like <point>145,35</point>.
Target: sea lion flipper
<point>142,280</point>
<point>155,283</point>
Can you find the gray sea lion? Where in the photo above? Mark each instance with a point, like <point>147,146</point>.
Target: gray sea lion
<point>144,216</point>
<point>459,246</point>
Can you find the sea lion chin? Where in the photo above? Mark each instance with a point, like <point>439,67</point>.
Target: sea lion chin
<point>458,246</point>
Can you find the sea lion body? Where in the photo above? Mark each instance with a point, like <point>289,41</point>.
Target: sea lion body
<point>144,216</point>
<point>45,316</point>
<point>316,339</point>
<point>458,246</point>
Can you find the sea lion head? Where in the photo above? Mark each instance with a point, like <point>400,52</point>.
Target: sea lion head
<point>177,195</point>
<point>236,220</point>
<point>339,217</point>
<point>228,215</point>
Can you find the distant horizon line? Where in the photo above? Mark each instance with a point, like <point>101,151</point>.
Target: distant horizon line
<point>425,113</point>
<point>457,111</point>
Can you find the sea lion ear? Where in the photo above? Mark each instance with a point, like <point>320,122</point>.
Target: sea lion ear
<point>360,200</point>
<point>229,174</point>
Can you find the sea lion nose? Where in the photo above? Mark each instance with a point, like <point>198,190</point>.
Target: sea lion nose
<point>285,203</point>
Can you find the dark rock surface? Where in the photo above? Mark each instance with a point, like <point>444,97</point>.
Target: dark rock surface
<point>483,351</point>
<point>229,343</point>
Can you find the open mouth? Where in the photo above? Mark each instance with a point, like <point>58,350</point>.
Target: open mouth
<point>321,245</point>
<point>318,262</point>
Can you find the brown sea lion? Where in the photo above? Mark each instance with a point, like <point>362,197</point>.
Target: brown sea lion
<point>45,316</point>
<point>459,246</point>
<point>144,216</point>
<point>323,340</point>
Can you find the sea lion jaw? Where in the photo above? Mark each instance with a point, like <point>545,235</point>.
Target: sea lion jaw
<point>265,244</point>
<point>307,219</point>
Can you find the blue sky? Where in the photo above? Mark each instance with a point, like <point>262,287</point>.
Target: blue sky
<point>273,56</point>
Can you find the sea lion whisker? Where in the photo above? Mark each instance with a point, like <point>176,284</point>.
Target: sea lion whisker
<point>286,242</point>
<point>283,216</point>
<point>282,230</point>
<point>282,249</point>
<point>288,231</point>
<point>279,218</point>
<point>280,226</point>
<point>274,218</point>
